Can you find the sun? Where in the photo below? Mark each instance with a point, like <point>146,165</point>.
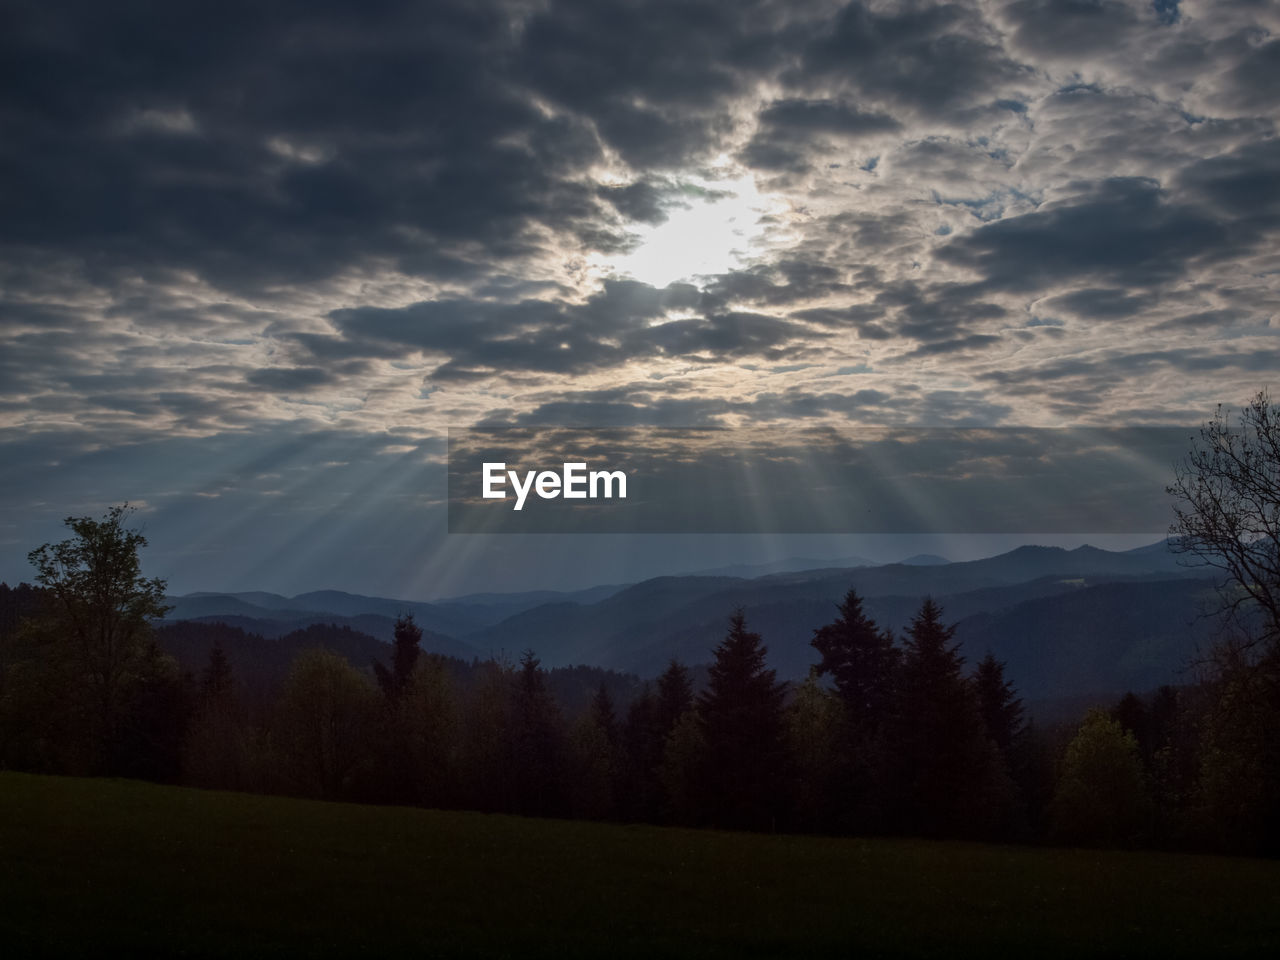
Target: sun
<point>719,225</point>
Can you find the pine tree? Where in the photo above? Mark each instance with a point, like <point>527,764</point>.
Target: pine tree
<point>1001,707</point>
<point>602,713</point>
<point>408,636</point>
<point>675,695</point>
<point>744,730</point>
<point>640,793</point>
<point>862,660</point>
<point>950,777</point>
<point>539,742</point>
<point>217,680</point>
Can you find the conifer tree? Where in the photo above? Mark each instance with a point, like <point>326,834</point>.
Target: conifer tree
<point>1001,707</point>
<point>408,636</point>
<point>743,726</point>
<point>603,714</point>
<point>539,743</point>
<point>640,792</point>
<point>862,660</point>
<point>675,695</point>
<point>948,772</point>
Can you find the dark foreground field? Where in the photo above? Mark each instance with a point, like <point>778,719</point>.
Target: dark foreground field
<point>88,864</point>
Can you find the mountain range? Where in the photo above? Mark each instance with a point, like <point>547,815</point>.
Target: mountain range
<point>1067,623</point>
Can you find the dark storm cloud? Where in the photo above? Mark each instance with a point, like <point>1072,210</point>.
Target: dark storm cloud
<point>790,129</point>
<point>1243,183</point>
<point>932,58</point>
<point>1125,230</point>
<point>623,322</point>
<point>654,76</point>
<point>282,143</point>
<point>1073,28</point>
<point>785,281</point>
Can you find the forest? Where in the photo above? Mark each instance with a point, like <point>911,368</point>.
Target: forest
<point>891,733</point>
<point>888,736</point>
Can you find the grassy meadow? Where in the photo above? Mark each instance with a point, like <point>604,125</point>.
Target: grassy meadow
<point>90,864</point>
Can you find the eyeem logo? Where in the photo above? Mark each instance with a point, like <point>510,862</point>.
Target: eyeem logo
<point>573,482</point>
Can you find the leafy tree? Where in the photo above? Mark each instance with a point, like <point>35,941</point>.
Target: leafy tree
<point>816,739</point>
<point>428,712</point>
<point>1102,794</point>
<point>741,713</point>
<point>329,714</point>
<point>95,631</point>
<point>487,753</point>
<point>1237,792</point>
<point>681,769</point>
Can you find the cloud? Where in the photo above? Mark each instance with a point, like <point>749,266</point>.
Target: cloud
<point>237,222</point>
<point>1125,230</point>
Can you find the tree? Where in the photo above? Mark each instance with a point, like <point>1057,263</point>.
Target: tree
<point>593,746</point>
<point>97,625</point>
<point>329,712</point>
<point>948,772</point>
<point>1001,707</point>
<point>640,792</point>
<point>675,695</point>
<point>865,665</point>
<point>1227,512</point>
<point>539,741</point>
<point>862,660</point>
<point>216,752</point>
<point>1102,794</point>
<point>816,738</point>
<point>744,731</point>
<point>1227,509</point>
<point>394,682</point>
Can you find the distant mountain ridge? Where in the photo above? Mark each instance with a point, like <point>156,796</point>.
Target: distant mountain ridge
<point>1086,593</point>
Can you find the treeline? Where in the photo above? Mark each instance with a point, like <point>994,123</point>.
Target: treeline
<point>887,735</point>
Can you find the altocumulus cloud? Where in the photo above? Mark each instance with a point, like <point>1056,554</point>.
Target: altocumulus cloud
<point>228,223</point>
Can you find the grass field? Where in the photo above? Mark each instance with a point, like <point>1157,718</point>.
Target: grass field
<point>89,864</point>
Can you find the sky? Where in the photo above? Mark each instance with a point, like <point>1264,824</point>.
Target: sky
<point>256,260</point>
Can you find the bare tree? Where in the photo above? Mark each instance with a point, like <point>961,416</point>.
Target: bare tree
<point>1227,495</point>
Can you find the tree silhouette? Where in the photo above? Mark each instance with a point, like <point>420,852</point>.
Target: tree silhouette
<point>97,627</point>
<point>675,695</point>
<point>743,729</point>
<point>538,742</point>
<point>407,637</point>
<point>1227,510</point>
<point>949,773</point>
<point>1000,705</point>
<point>862,660</point>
